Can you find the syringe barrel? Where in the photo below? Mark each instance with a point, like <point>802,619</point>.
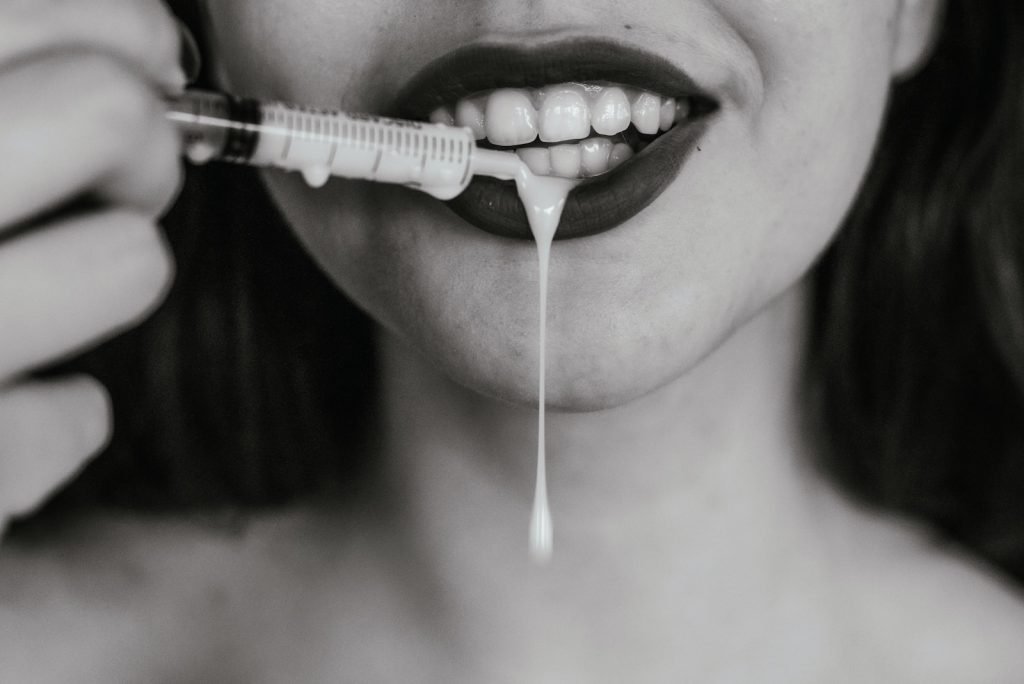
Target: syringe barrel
<point>435,158</point>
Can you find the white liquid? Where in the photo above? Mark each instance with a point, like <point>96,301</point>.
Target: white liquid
<point>544,199</point>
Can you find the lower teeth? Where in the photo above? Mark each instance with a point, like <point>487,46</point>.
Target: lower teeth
<point>586,159</point>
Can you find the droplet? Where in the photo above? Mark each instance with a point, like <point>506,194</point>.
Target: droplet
<point>316,176</point>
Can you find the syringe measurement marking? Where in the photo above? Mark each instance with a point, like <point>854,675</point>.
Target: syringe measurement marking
<point>287,136</point>
<point>465,174</point>
<point>334,152</point>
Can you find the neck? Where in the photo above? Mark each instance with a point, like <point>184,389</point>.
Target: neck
<point>689,508</point>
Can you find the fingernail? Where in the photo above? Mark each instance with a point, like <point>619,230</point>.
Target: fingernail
<point>191,60</point>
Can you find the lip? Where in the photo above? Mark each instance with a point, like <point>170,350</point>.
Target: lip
<point>597,204</point>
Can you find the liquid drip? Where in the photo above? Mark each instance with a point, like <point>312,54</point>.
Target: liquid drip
<point>544,199</point>
<point>316,175</point>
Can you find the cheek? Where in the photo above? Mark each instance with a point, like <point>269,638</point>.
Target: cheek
<point>309,52</point>
<point>826,73</point>
<point>755,210</point>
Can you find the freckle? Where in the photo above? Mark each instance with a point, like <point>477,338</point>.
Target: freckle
<point>698,149</point>
<point>629,27</point>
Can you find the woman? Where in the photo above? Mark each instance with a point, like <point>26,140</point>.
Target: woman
<point>792,292</point>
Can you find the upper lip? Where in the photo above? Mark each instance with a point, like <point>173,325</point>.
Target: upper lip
<point>475,68</point>
<point>599,203</point>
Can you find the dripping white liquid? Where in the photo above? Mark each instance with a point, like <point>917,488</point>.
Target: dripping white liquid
<point>544,199</point>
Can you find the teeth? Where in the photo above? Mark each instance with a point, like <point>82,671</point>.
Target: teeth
<point>611,113</point>
<point>668,113</point>
<point>469,112</point>
<point>581,116</point>
<point>566,160</point>
<point>565,114</point>
<point>537,158</point>
<point>511,118</point>
<point>442,115</point>
<point>646,112</point>
<point>682,110</point>
<point>586,159</point>
<point>594,154</point>
<point>620,153</point>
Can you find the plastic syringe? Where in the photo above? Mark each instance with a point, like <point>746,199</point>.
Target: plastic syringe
<point>437,159</point>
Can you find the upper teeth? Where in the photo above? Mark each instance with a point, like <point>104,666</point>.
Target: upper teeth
<point>568,111</point>
<point>612,109</point>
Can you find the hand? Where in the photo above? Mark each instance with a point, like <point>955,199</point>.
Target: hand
<point>88,165</point>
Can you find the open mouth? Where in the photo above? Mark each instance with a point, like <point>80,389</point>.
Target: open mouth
<point>621,119</point>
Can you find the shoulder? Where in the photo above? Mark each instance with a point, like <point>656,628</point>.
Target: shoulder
<point>932,611</point>
<point>160,593</point>
<point>89,601</point>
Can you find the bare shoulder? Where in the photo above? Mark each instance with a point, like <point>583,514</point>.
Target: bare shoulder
<point>930,610</point>
<point>88,601</point>
<point>137,599</point>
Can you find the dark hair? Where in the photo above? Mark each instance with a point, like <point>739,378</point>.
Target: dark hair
<point>916,349</point>
<point>249,386</point>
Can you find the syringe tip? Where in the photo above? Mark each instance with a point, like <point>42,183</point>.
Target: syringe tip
<point>503,165</point>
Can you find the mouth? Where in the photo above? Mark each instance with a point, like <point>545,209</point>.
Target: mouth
<point>621,119</point>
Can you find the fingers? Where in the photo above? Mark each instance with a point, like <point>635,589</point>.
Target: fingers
<point>71,284</point>
<point>115,141</point>
<point>81,115</point>
<point>141,33</point>
<point>50,429</point>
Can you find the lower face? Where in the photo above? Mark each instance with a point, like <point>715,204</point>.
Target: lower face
<point>799,89</point>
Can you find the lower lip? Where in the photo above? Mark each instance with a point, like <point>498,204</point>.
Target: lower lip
<point>596,205</point>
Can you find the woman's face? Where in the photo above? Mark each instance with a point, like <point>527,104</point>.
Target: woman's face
<point>801,88</point>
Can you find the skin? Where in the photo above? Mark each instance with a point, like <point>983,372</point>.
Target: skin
<point>802,88</point>
<point>692,541</point>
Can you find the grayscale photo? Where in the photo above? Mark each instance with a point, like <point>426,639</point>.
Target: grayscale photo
<point>480,342</point>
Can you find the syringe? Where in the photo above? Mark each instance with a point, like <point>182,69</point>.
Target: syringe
<point>440,160</point>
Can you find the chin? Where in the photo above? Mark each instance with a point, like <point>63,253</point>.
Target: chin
<point>583,375</point>
<point>566,392</point>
